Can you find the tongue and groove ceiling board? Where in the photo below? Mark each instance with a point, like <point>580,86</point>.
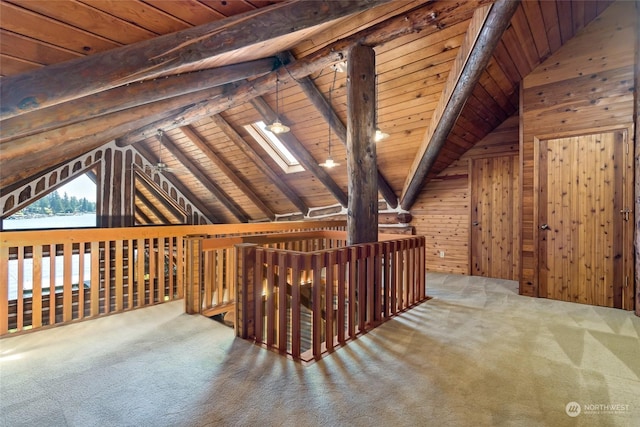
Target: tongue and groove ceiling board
<point>412,71</point>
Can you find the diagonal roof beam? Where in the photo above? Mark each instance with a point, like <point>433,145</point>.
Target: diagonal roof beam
<point>80,77</point>
<point>129,96</point>
<point>181,188</point>
<point>301,153</point>
<point>427,18</point>
<point>168,202</point>
<point>473,57</point>
<point>231,133</point>
<point>329,114</point>
<point>204,179</point>
<point>153,208</point>
<point>221,164</point>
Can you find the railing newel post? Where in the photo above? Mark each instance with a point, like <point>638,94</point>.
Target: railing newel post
<point>194,272</point>
<point>245,283</point>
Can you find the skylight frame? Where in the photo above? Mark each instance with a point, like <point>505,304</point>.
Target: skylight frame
<point>274,147</point>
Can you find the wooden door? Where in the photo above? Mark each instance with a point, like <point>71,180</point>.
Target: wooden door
<point>495,209</point>
<point>584,238</point>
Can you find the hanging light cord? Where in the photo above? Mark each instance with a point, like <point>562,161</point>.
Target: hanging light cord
<point>277,100</point>
<point>333,84</point>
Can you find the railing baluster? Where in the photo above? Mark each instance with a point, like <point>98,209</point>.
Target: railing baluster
<point>4,290</point>
<point>81,249</point>
<point>95,279</point>
<point>352,289</point>
<point>258,295</point>
<point>20,290</point>
<point>107,277</point>
<point>52,284</point>
<point>283,262</point>
<point>36,289</point>
<point>119,276</point>
<point>330,262</point>
<point>296,278</point>
<point>67,292</point>
<point>170,265</point>
<point>270,299</point>
<point>316,304</point>
<point>342,260</point>
<point>162,274</point>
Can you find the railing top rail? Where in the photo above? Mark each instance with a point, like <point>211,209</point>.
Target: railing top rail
<point>343,248</point>
<point>36,237</point>
<point>212,243</point>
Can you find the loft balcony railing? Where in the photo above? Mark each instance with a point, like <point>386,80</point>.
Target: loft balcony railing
<point>295,288</point>
<point>55,277</point>
<point>303,294</point>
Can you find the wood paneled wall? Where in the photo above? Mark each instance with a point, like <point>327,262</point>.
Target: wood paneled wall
<point>442,211</point>
<point>584,87</point>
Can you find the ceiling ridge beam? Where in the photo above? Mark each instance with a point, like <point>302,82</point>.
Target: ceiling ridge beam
<point>130,96</point>
<point>208,151</point>
<point>211,186</point>
<point>459,88</point>
<point>233,135</point>
<point>300,152</point>
<point>80,77</point>
<point>427,19</point>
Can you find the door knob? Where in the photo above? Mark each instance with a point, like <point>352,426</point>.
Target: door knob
<point>544,227</point>
<point>475,223</point>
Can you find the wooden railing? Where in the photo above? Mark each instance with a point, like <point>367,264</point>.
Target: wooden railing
<point>55,277</point>
<point>304,303</point>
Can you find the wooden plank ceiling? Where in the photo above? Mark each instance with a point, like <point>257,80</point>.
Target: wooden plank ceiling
<point>210,147</point>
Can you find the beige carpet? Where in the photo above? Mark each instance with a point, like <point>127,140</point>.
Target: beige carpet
<point>477,354</point>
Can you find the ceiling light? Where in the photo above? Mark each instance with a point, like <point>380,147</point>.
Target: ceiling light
<point>329,163</point>
<point>379,135</point>
<point>277,126</point>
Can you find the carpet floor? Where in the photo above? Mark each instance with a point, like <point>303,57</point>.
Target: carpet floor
<point>477,354</point>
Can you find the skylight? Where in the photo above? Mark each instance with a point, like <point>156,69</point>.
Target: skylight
<point>274,147</point>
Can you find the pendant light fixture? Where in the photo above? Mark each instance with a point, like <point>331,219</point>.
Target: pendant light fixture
<point>277,126</point>
<point>330,163</point>
<point>379,135</point>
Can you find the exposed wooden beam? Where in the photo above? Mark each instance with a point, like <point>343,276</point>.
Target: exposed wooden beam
<point>129,96</point>
<point>221,164</point>
<point>141,217</point>
<point>171,205</point>
<point>300,152</point>
<point>59,145</point>
<point>362,215</point>
<point>162,55</point>
<point>427,19</point>
<point>322,105</point>
<point>153,208</point>
<point>181,188</point>
<point>211,186</point>
<point>231,133</point>
<point>459,87</point>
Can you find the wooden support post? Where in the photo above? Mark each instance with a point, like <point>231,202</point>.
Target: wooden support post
<point>362,216</point>
<point>245,301</point>
<point>193,273</point>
